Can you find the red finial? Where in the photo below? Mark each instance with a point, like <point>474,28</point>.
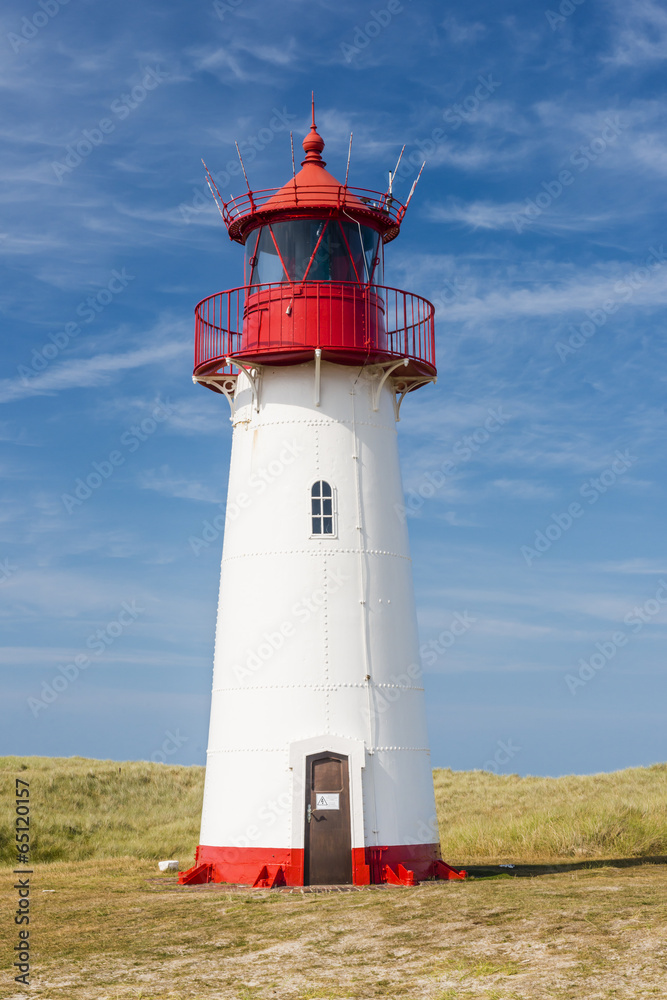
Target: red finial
<point>313,144</point>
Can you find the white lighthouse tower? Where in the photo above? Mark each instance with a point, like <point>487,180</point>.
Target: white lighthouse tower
<point>318,768</point>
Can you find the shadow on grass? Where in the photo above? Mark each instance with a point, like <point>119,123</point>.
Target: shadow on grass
<point>531,871</point>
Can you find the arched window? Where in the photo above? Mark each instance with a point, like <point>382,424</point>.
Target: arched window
<point>322,513</point>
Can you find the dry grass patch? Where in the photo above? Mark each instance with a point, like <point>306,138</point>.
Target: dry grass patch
<point>114,930</point>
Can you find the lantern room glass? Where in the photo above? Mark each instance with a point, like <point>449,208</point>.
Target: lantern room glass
<point>314,250</point>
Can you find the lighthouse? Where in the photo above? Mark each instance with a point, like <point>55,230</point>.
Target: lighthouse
<point>318,769</point>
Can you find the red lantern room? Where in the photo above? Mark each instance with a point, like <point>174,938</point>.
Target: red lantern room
<point>314,283</point>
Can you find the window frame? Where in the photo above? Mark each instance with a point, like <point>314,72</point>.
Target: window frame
<point>350,232</point>
<point>321,516</point>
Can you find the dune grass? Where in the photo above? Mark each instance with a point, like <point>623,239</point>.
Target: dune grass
<point>83,808</point>
<point>91,809</point>
<point>485,817</point>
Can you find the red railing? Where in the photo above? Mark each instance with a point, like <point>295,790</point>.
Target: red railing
<point>252,203</point>
<point>283,323</point>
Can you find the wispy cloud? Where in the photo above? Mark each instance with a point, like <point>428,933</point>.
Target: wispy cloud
<point>546,289</point>
<point>82,373</point>
<point>163,481</point>
<point>524,489</point>
<point>243,60</point>
<point>26,657</point>
<point>633,567</point>
<point>462,32</point>
<point>641,33</point>
<point>487,215</point>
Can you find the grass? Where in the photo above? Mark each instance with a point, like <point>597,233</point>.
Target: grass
<point>84,809</point>
<point>106,926</point>
<point>115,930</point>
<point>102,809</point>
<point>485,817</point>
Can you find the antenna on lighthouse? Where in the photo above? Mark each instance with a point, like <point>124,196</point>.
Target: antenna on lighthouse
<point>391,176</point>
<point>243,169</point>
<point>291,141</point>
<point>349,154</point>
<point>414,185</point>
<point>211,184</point>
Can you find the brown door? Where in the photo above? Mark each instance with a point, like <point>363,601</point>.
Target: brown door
<point>328,847</point>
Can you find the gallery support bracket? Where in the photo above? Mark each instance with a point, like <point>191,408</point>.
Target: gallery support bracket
<point>402,384</point>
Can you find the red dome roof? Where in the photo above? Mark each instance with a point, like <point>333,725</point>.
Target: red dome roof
<point>313,186</point>
<point>313,193</point>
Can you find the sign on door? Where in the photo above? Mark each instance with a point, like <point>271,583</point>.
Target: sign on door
<point>327,800</point>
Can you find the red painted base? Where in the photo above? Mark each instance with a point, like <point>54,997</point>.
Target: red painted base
<point>266,867</point>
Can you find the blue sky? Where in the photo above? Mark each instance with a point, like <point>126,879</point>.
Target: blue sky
<point>537,229</point>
